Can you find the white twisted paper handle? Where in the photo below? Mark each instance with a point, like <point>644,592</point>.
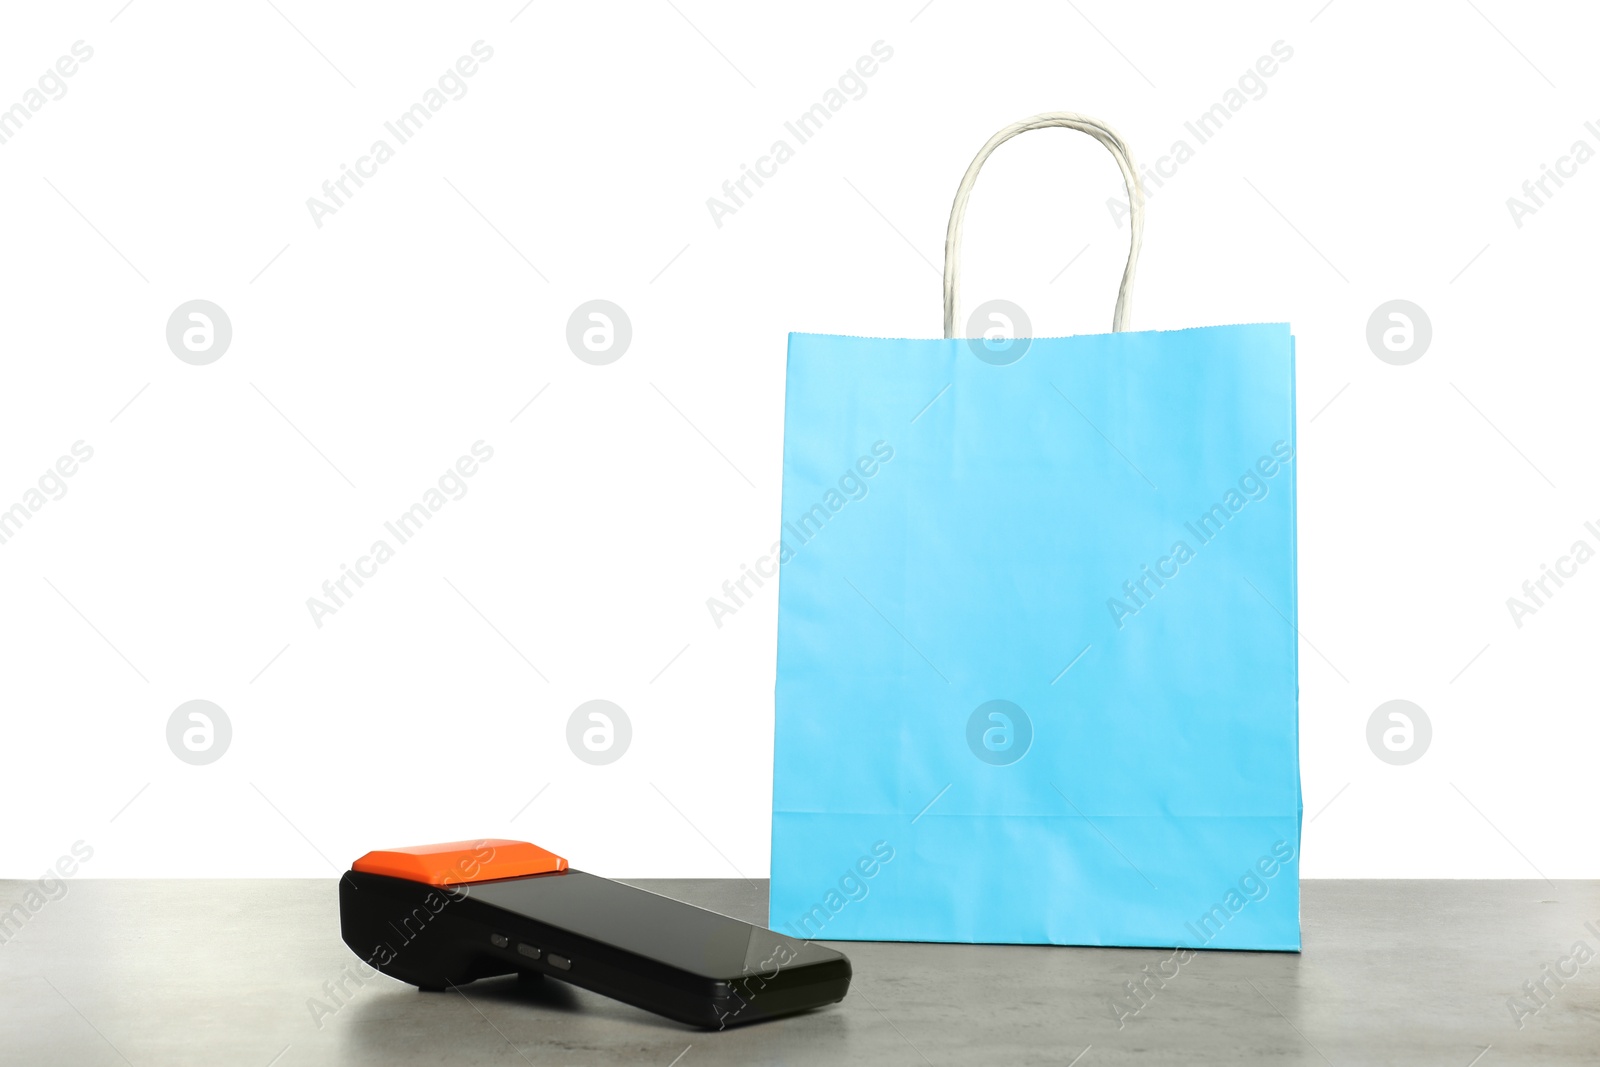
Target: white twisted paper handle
<point>1119,150</point>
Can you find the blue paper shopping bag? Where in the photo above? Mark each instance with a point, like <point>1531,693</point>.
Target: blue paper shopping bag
<point>1036,633</point>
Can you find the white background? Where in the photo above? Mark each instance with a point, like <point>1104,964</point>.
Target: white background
<point>416,321</point>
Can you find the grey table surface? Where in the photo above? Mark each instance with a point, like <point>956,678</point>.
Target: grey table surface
<point>225,972</point>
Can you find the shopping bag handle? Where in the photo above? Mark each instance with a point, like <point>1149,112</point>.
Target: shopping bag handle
<point>1119,150</point>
